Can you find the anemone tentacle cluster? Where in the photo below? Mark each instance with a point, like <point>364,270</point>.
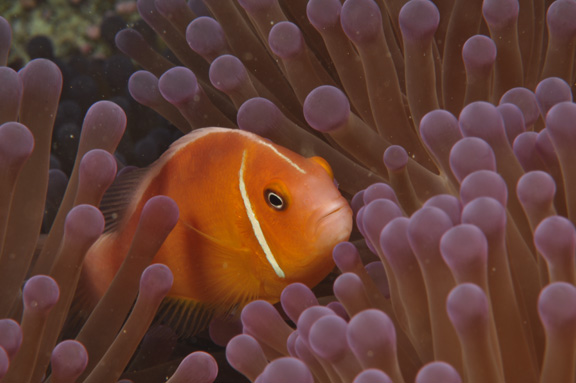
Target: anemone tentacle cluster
<point>450,123</point>
<point>34,315</point>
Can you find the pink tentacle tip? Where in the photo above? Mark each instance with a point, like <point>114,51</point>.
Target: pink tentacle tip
<point>40,294</point>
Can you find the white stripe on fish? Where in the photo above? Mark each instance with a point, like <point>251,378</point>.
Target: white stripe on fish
<point>255,224</point>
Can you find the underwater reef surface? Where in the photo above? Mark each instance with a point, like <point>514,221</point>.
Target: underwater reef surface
<point>449,126</point>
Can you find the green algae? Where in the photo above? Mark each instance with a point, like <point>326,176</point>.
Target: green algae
<point>65,23</point>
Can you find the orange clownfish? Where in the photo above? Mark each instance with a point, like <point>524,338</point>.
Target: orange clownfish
<point>254,217</point>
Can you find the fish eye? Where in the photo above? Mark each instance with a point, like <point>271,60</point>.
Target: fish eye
<point>274,199</point>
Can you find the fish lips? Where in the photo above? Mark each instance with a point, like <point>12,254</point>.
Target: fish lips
<point>334,224</point>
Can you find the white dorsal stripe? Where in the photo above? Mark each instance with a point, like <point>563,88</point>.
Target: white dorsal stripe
<point>261,142</point>
<point>255,224</point>
<point>199,133</point>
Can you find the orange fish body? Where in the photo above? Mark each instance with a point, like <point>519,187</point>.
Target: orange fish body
<point>254,217</point>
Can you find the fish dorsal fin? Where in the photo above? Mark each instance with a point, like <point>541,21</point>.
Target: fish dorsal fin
<point>185,316</point>
<point>119,195</point>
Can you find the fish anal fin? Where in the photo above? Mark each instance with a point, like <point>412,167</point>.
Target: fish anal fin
<point>187,317</point>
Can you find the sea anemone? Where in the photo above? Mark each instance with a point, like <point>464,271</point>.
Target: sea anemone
<point>36,315</point>
<point>374,87</point>
<point>464,217</point>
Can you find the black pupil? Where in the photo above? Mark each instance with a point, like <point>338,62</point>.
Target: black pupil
<point>275,200</point>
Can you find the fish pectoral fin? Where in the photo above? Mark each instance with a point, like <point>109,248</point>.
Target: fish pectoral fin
<point>219,246</point>
<point>187,317</point>
<point>118,197</point>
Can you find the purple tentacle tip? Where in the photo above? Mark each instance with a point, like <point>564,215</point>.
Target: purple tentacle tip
<point>467,307</point>
<point>438,372</point>
<point>376,191</point>
<point>425,229</point>
<point>97,172</point>
<point>103,127</point>
<point>481,119</point>
<point>372,375</point>
<point>178,85</point>
<point>40,294</point>
<point>286,39</point>
<point>323,13</point>
<point>361,20</point>
<point>471,154</point>
<point>550,92</point>
<point>261,320</point>
<point>559,121</point>
<point>100,166</point>
<point>205,36</point>
<point>296,298</point>
<point>395,158</point>
<point>376,215</point>
<point>394,241</point>
<point>479,52</point>
<point>143,87</point>
<point>435,122</point>
<point>488,214</point>
<point>156,281</point>
<point>287,370</point>
<point>227,73</point>
<point>419,19</point>
<point>525,150</point>
<point>483,183</point>
<point>448,203</point>
<point>198,367</point>
<point>346,256</point>
<point>10,336</point>
<point>258,115</point>
<point>308,318</point>
<point>339,309</point>
<point>16,144</point>
<point>557,308</point>
<point>371,336</point>
<point>326,108</point>
<point>560,18</point>
<point>160,213</point>
<point>245,354</point>
<point>536,188</point>
<point>69,359</point>
<point>525,99</point>
<point>545,148</point>
<point>464,249</point>
<point>500,13</point>
<point>555,238</point>
<point>84,221</point>
<point>328,338</point>
<point>514,123</point>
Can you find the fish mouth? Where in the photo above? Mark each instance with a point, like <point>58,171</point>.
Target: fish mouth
<point>341,212</point>
<point>335,211</point>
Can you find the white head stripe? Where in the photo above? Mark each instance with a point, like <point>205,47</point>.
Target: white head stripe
<point>255,224</point>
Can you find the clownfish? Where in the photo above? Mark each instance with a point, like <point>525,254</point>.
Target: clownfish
<point>254,218</point>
